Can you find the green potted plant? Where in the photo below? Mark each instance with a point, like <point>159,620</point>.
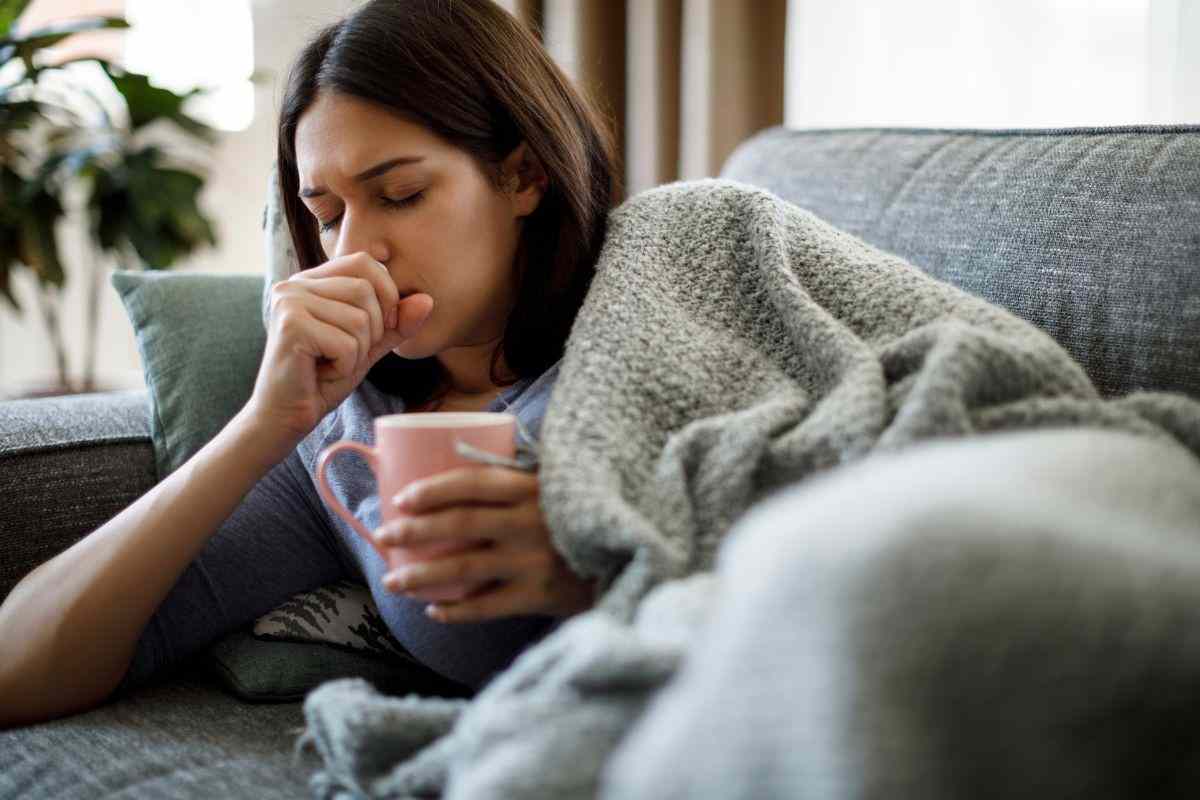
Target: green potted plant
<point>58,139</point>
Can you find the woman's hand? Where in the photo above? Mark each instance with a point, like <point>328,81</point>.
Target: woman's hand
<point>328,327</point>
<point>499,507</point>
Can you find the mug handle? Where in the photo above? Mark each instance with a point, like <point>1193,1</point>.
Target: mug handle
<point>331,500</point>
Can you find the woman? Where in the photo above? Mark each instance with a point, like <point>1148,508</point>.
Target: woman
<point>446,190</point>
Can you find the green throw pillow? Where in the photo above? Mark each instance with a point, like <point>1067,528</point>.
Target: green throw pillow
<point>262,671</point>
<point>201,339</point>
<point>334,631</point>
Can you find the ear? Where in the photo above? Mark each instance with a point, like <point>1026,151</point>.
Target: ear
<point>524,179</point>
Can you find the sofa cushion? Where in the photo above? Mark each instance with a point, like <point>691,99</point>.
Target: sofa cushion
<point>179,736</point>
<point>279,254</point>
<point>259,671</point>
<point>265,671</point>
<point>201,338</point>
<point>1089,233</point>
<point>334,631</point>
<point>67,465</point>
<point>342,613</point>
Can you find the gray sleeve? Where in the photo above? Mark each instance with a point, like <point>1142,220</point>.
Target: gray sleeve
<point>276,543</point>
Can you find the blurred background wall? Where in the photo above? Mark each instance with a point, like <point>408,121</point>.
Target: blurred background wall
<point>684,81</point>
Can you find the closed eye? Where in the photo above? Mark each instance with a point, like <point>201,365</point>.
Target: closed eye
<point>385,201</point>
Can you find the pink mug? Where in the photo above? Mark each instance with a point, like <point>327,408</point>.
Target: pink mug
<point>409,447</point>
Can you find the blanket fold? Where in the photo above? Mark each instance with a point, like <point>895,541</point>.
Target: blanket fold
<point>731,344</point>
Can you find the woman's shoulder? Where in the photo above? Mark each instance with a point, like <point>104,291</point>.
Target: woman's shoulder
<point>686,207</point>
<point>683,195</point>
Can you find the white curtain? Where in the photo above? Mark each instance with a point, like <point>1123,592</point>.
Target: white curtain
<point>993,64</point>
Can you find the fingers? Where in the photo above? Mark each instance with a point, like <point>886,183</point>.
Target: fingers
<point>354,292</point>
<point>364,267</point>
<point>483,484</point>
<point>508,599</point>
<point>351,319</point>
<point>362,282</point>
<point>551,588</point>
<point>512,524</point>
<point>320,339</point>
<point>414,311</point>
<point>475,566</point>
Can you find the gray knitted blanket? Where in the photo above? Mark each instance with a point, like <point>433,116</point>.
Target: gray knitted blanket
<point>732,344</point>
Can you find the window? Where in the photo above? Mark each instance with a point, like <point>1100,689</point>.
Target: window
<point>183,43</point>
<point>992,63</point>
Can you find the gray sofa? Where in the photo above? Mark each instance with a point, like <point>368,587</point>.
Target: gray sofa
<point>1092,234</point>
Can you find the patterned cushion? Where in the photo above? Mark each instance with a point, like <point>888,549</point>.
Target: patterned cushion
<point>331,632</point>
<point>341,614</point>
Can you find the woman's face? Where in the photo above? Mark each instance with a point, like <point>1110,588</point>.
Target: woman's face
<point>436,222</point>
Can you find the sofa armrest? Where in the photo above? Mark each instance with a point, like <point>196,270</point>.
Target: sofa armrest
<point>67,465</point>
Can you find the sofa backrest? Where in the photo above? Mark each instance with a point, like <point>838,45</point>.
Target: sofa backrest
<point>1093,234</point>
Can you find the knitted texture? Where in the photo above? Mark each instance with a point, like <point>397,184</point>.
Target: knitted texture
<point>731,344</point>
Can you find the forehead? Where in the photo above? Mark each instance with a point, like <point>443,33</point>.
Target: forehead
<point>341,135</point>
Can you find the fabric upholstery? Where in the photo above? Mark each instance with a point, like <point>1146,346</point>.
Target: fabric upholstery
<point>342,613</point>
<point>262,671</point>
<point>67,466</point>
<point>333,631</point>
<point>1091,234</point>
<point>180,737</point>
<point>278,253</point>
<point>201,340</point>
<point>731,344</point>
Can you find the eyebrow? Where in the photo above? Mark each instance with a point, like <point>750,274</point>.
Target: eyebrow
<point>367,174</point>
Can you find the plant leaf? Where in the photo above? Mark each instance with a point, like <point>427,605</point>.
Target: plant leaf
<point>27,45</point>
<point>157,210</point>
<point>5,289</point>
<point>10,10</point>
<point>10,230</point>
<point>53,34</point>
<point>108,206</point>
<point>9,244</point>
<point>148,103</point>
<point>38,243</point>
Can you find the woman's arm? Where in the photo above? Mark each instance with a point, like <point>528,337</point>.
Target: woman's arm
<point>70,627</point>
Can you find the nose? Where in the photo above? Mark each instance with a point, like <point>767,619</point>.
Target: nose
<point>358,234</point>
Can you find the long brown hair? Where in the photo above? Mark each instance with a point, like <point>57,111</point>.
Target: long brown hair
<point>471,73</point>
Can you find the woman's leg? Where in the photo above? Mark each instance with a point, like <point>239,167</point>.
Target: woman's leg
<point>1012,615</point>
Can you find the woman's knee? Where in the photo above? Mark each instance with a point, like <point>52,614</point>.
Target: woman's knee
<point>978,501</point>
<point>971,487</point>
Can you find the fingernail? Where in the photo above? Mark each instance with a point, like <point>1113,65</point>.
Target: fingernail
<point>393,317</point>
